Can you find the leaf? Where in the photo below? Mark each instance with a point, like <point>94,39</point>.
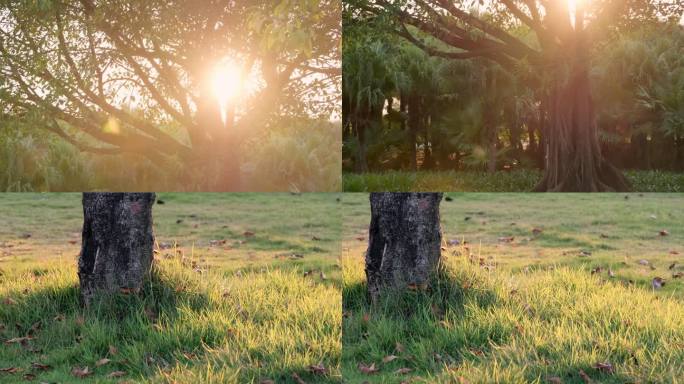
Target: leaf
<point>39,366</point>
<point>29,376</point>
<point>657,282</point>
<point>554,380</point>
<point>9,301</point>
<point>81,372</point>
<point>663,232</point>
<point>584,376</point>
<point>537,231</point>
<point>11,370</point>
<point>605,367</point>
<point>59,317</point>
<point>367,369</point>
<point>319,369</point>
<point>116,374</point>
<point>389,358</point>
<point>113,350</point>
<point>102,362</point>
<point>403,371</point>
<point>297,379</point>
<point>21,340</point>
<point>266,381</point>
<point>248,233</point>
<point>399,347</point>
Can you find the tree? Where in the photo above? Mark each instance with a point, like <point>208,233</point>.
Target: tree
<point>404,241</point>
<point>556,63</point>
<point>117,242</point>
<point>135,76</point>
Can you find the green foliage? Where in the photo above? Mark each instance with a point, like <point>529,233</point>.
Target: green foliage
<point>521,180</point>
<point>300,156</point>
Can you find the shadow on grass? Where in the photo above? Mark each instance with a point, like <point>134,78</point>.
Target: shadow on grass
<point>462,320</point>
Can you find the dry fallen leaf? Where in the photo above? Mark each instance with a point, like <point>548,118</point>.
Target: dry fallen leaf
<point>604,367</point>
<point>116,374</point>
<point>389,358</point>
<point>297,379</point>
<point>554,380</point>
<point>29,376</point>
<point>21,340</point>
<point>266,381</point>
<point>39,366</point>
<point>658,282</point>
<point>537,231</point>
<point>248,234</point>
<point>9,301</point>
<point>663,232</point>
<point>403,371</point>
<point>319,369</point>
<point>102,362</point>
<point>584,376</point>
<point>81,372</point>
<point>367,369</point>
<point>399,347</point>
<point>113,350</point>
<point>11,370</point>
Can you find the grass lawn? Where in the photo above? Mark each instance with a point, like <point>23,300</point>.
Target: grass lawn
<point>514,181</point>
<point>533,288</point>
<point>245,288</point>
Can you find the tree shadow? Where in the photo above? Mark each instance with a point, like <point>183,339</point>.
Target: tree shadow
<point>448,326</point>
<point>174,326</point>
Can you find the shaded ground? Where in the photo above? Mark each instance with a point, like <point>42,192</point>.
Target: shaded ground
<point>535,288</point>
<point>245,288</point>
<point>513,181</point>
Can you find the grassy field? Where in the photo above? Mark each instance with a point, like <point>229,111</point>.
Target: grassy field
<point>544,288</point>
<point>245,288</point>
<point>513,181</point>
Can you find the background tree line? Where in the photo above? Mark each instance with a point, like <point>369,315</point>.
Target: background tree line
<point>412,103</point>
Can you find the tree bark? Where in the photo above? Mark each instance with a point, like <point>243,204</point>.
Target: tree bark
<point>404,241</point>
<point>117,242</point>
<point>573,155</point>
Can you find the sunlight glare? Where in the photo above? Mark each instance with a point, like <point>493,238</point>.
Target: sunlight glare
<point>227,82</point>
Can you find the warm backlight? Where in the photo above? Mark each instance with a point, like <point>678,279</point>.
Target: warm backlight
<point>227,81</point>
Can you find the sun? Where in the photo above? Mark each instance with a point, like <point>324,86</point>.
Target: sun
<point>227,81</point>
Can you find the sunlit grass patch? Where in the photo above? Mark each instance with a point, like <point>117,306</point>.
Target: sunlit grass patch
<point>532,327</point>
<point>185,326</point>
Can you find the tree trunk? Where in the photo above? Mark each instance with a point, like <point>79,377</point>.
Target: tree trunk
<point>573,156</point>
<point>404,241</point>
<point>117,242</point>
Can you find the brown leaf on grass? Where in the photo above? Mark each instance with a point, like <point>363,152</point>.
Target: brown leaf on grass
<point>39,366</point>
<point>116,374</point>
<point>29,376</point>
<point>677,275</point>
<point>266,381</point>
<point>554,380</point>
<point>367,369</point>
<point>9,301</point>
<point>59,317</point>
<point>674,253</point>
<point>81,372</point>
<point>537,231</point>
<point>297,379</point>
<point>399,347</point>
<point>80,320</point>
<point>506,239</point>
<point>584,376</point>
<point>657,282</point>
<point>248,234</point>
<point>315,238</point>
<point>663,232</point>
<point>318,369</point>
<point>35,327</point>
<point>11,370</point>
<point>605,367</point>
<point>389,358</point>
<point>19,340</point>
<point>113,350</point>
<point>102,362</point>
<point>403,371</point>
<point>128,291</point>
